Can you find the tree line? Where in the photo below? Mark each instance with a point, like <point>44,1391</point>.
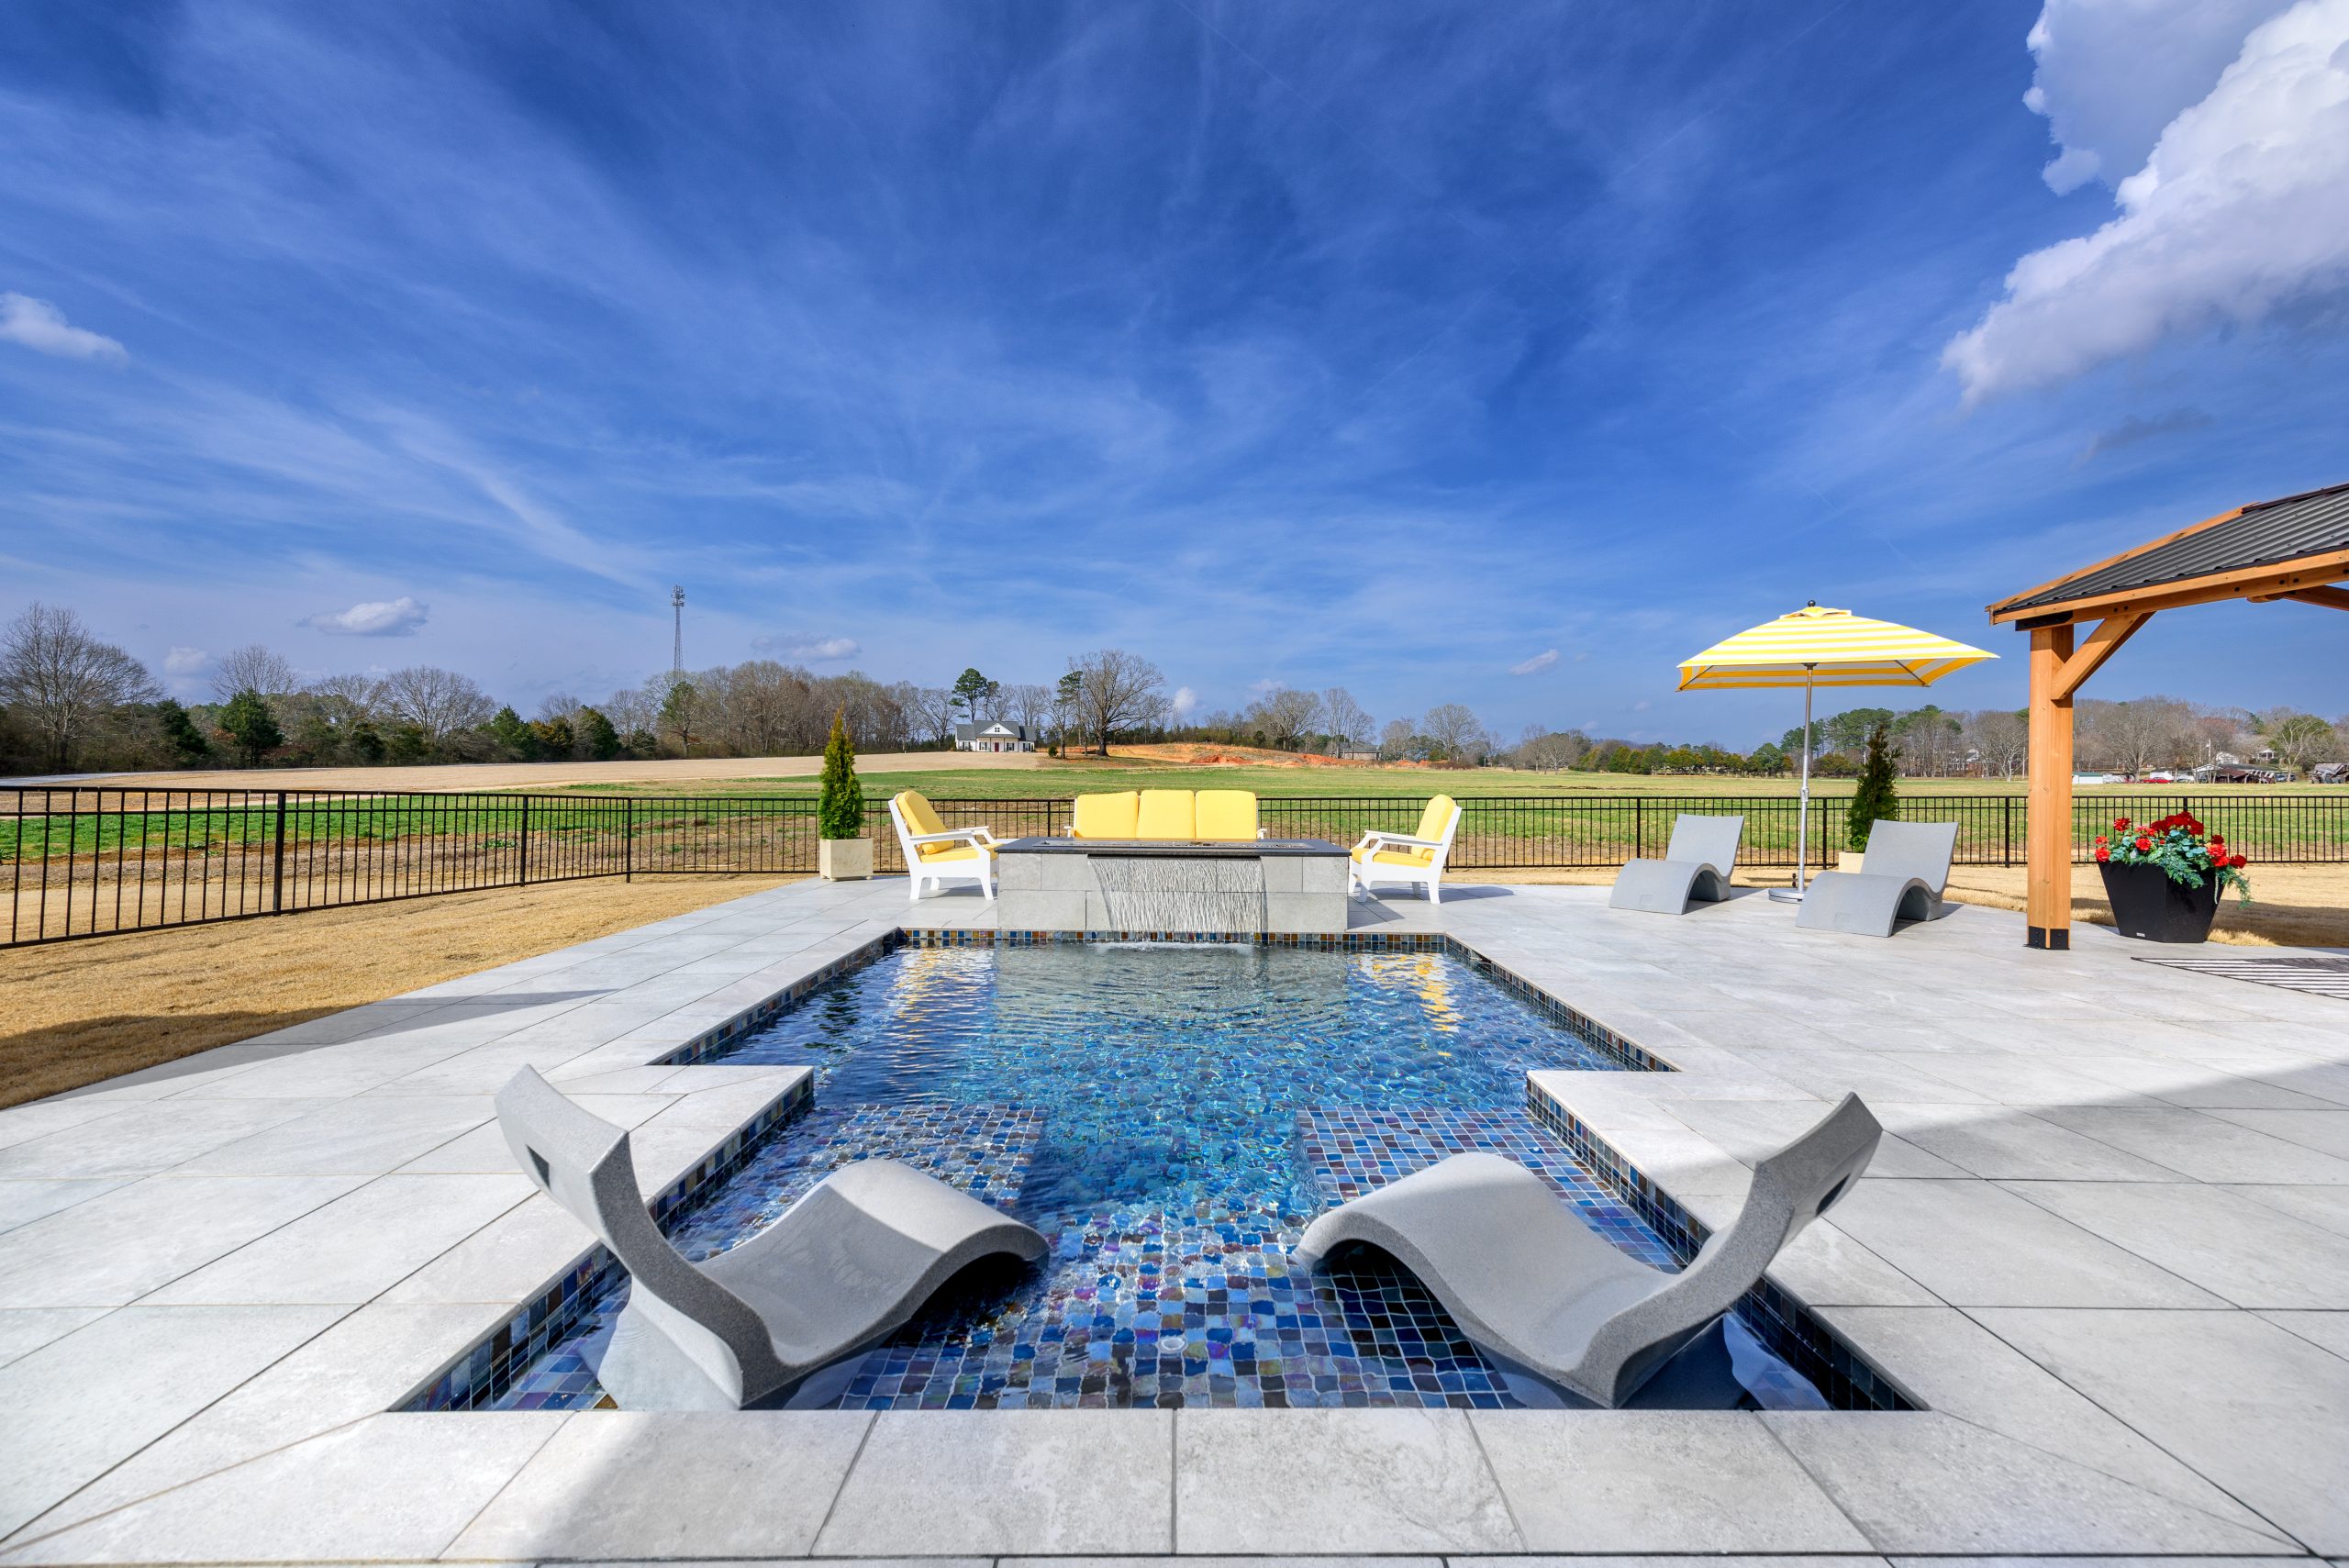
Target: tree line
<point>71,701</point>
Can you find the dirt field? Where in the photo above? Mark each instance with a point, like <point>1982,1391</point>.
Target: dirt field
<point>78,1012</point>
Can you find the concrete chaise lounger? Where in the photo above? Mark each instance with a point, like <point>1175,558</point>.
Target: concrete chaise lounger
<point>1901,876</point>
<point>1696,867</point>
<point>845,1266</point>
<point>1534,1286</point>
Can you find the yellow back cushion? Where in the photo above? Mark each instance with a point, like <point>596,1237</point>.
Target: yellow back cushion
<point>1226,814</point>
<point>1165,813</point>
<point>1436,817</point>
<point>1107,816</point>
<point>919,815</point>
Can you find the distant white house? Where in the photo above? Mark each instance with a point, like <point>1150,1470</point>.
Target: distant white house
<point>994,735</point>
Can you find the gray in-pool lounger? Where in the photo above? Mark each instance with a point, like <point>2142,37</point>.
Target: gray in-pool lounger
<point>1901,876</point>
<point>1697,866</point>
<point>1532,1284</point>
<point>843,1267</point>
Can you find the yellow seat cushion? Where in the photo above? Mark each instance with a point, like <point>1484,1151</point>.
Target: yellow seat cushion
<point>1165,813</point>
<point>1105,815</point>
<point>1436,817</point>
<point>1396,857</point>
<point>932,854</point>
<point>1224,814</point>
<point>919,815</point>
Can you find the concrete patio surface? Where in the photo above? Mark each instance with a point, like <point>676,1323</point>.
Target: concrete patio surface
<point>2107,1246</point>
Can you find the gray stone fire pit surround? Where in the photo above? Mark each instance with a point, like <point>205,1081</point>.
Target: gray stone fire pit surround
<point>1277,886</point>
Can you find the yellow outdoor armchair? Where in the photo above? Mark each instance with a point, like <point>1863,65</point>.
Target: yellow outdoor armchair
<point>1168,815</point>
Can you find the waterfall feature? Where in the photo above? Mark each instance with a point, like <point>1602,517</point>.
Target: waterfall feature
<point>1155,893</point>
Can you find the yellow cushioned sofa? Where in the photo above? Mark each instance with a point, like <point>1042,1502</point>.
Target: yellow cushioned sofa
<point>1219,816</point>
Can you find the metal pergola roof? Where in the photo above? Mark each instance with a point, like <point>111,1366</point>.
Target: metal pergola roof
<point>2285,548</point>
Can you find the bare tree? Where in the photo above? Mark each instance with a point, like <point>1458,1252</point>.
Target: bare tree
<point>1283,715</point>
<point>934,714</point>
<point>1548,749</point>
<point>1116,690</point>
<point>2137,736</point>
<point>439,702</point>
<point>348,699</point>
<point>1457,734</point>
<point>2000,739</point>
<point>634,710</point>
<point>1398,741</point>
<point>254,668</point>
<point>2300,739</point>
<point>559,705</point>
<point>1030,707</point>
<point>60,677</point>
<point>1345,719</point>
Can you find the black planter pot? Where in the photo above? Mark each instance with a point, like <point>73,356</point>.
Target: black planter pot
<point>2148,905</point>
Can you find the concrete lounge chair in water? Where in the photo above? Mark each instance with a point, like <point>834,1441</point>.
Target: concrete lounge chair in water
<point>843,1267</point>
<point>1696,867</point>
<point>1534,1287</point>
<point>1901,876</point>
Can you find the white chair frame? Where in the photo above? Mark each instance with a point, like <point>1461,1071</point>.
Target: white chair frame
<point>939,874</point>
<point>1363,872</point>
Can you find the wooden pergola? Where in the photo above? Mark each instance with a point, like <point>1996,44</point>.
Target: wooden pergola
<point>2296,547</point>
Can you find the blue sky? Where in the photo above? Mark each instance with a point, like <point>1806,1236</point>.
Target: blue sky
<point>1396,347</point>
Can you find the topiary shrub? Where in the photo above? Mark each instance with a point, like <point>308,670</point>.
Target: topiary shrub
<point>1875,799</point>
<point>839,804</point>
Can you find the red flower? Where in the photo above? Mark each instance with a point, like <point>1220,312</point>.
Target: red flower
<point>2235,863</point>
<point>2191,825</point>
<point>2101,840</point>
<point>2119,823</point>
<point>2102,853</point>
<point>2145,845</point>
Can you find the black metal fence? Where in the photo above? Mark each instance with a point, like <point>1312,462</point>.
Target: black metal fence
<point>87,862</point>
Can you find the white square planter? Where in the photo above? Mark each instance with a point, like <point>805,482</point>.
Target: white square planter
<point>844,860</point>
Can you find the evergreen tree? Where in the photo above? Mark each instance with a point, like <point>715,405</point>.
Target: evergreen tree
<point>366,743</point>
<point>596,735</point>
<point>970,689</point>
<point>506,727</point>
<point>839,802</point>
<point>248,721</point>
<point>187,742</point>
<point>1875,799</point>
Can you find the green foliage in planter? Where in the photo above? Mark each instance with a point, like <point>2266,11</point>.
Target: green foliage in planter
<point>839,804</point>
<point>1875,799</point>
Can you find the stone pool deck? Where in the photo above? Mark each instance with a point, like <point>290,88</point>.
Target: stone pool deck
<point>2107,1245</point>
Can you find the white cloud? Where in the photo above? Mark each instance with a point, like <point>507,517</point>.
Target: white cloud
<point>1641,705</point>
<point>1186,700</point>
<point>2113,74</point>
<point>185,660</point>
<point>1536,664</point>
<point>1267,686</point>
<point>41,327</point>
<point>380,617</point>
<point>2238,212</point>
<point>816,649</point>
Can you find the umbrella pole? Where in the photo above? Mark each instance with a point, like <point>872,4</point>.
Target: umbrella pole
<point>1802,819</point>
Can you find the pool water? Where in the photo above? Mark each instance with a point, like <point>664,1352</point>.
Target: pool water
<point>1169,1118</point>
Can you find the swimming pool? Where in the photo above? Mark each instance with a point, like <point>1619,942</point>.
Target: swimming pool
<point>1170,1118</point>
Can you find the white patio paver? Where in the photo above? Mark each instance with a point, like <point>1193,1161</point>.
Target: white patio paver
<point>2108,1245</point>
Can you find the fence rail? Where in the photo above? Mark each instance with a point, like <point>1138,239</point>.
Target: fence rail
<point>89,861</point>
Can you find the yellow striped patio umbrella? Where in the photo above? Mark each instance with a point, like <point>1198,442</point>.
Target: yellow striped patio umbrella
<point>1816,647</point>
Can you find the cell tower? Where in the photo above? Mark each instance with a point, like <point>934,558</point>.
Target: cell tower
<point>677,650</point>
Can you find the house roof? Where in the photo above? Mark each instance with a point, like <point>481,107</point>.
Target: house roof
<point>2254,542</point>
<point>966,731</point>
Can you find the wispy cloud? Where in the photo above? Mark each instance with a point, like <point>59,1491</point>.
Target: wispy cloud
<point>1536,664</point>
<point>402,617</point>
<point>1184,702</point>
<point>42,328</point>
<point>813,650</point>
<point>2136,429</point>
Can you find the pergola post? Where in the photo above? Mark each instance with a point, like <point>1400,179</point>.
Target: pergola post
<point>2047,900</point>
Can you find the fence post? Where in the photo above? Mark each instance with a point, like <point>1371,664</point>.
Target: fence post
<point>2006,829</point>
<point>627,840</point>
<point>277,863</point>
<point>1639,824</point>
<point>524,879</point>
